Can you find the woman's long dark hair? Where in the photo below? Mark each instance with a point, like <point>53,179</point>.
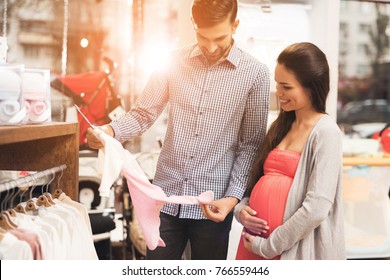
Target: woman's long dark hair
<point>310,67</point>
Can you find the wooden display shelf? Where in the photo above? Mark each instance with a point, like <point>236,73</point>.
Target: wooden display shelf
<point>40,147</point>
<point>371,161</point>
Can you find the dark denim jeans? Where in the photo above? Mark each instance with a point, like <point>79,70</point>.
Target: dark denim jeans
<point>209,240</point>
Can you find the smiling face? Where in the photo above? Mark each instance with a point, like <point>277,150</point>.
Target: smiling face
<point>292,96</point>
<point>215,42</point>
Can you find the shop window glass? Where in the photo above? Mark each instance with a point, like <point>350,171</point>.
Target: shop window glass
<point>364,28</point>
<point>363,49</point>
<point>364,64</point>
<point>366,8</point>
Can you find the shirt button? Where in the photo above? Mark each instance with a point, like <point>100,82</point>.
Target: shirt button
<point>196,134</point>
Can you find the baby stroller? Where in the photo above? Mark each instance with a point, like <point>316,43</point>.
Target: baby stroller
<point>94,94</point>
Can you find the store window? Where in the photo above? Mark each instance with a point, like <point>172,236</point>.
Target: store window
<point>364,28</point>
<point>364,65</point>
<point>363,49</point>
<point>365,8</point>
<point>344,29</point>
<point>362,70</point>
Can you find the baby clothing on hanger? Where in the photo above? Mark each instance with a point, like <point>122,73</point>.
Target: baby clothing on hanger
<point>32,239</point>
<point>33,224</point>
<point>61,250</point>
<point>11,248</point>
<point>147,199</point>
<point>82,246</point>
<point>80,207</point>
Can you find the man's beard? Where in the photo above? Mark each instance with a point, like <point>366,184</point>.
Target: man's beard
<point>216,57</point>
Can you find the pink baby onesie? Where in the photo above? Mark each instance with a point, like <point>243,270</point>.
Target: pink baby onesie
<point>147,199</point>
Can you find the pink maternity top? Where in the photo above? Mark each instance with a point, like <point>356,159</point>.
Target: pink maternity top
<point>269,196</point>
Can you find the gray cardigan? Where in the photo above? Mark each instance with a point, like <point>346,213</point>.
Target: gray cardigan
<point>313,223</point>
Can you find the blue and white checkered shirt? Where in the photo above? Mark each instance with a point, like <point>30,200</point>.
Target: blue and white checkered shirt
<point>217,118</point>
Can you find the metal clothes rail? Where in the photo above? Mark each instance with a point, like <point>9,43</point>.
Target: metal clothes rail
<point>31,179</point>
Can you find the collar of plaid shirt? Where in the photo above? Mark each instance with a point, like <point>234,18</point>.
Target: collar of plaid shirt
<point>233,56</point>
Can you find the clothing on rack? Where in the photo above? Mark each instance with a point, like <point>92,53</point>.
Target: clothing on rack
<point>80,207</point>
<point>32,239</point>
<point>58,231</point>
<point>147,199</point>
<point>11,248</point>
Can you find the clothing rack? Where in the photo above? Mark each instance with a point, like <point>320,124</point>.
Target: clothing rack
<point>31,179</point>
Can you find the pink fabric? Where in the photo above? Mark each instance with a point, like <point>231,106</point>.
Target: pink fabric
<point>147,198</point>
<point>32,239</point>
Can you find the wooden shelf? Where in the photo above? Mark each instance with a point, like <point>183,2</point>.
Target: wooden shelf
<point>371,161</point>
<point>21,133</point>
<point>40,147</point>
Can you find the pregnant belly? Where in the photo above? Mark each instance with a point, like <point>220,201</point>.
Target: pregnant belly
<point>268,199</point>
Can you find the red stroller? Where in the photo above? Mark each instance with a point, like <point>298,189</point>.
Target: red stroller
<point>93,93</point>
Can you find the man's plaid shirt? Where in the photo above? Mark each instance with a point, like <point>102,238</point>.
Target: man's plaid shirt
<point>217,118</point>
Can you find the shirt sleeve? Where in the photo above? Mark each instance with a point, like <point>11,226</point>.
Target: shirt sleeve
<point>237,209</point>
<point>252,133</point>
<point>146,110</point>
<point>323,181</point>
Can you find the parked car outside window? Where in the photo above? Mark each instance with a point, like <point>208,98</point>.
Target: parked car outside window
<point>366,111</point>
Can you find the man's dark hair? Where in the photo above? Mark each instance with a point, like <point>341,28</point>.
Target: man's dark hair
<point>208,13</point>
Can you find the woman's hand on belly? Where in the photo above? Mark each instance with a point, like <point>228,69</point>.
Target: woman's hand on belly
<point>252,223</point>
<point>248,239</point>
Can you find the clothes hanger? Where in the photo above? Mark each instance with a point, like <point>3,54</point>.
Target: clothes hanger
<point>30,205</point>
<point>5,217</point>
<point>49,198</point>
<point>2,233</point>
<point>43,199</point>
<point>5,222</point>
<point>5,201</point>
<point>10,209</point>
<point>20,208</point>
<point>47,193</point>
<point>58,191</point>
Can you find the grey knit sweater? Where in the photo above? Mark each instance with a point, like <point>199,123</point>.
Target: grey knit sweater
<point>313,224</point>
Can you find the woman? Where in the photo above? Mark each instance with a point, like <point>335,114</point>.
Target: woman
<point>294,209</point>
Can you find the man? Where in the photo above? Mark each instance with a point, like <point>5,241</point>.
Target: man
<point>218,100</point>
